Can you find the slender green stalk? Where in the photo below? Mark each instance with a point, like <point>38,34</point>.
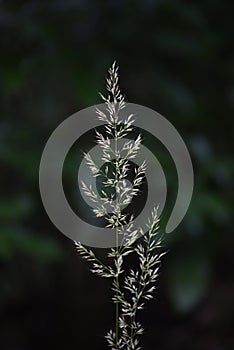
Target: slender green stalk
<point>117,241</point>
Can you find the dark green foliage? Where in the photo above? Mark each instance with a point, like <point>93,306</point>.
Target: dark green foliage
<point>176,57</point>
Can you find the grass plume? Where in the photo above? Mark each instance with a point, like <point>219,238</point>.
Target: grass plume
<point>133,288</point>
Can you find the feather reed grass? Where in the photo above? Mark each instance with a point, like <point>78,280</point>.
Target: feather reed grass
<point>133,288</point>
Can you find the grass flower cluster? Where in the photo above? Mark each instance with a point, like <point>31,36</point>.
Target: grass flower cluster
<point>131,288</point>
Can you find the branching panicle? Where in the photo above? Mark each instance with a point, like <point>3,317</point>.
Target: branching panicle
<point>136,287</point>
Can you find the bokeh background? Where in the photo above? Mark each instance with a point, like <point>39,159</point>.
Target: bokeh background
<point>176,57</point>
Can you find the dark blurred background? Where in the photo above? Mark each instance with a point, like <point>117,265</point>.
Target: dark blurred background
<point>176,57</point>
